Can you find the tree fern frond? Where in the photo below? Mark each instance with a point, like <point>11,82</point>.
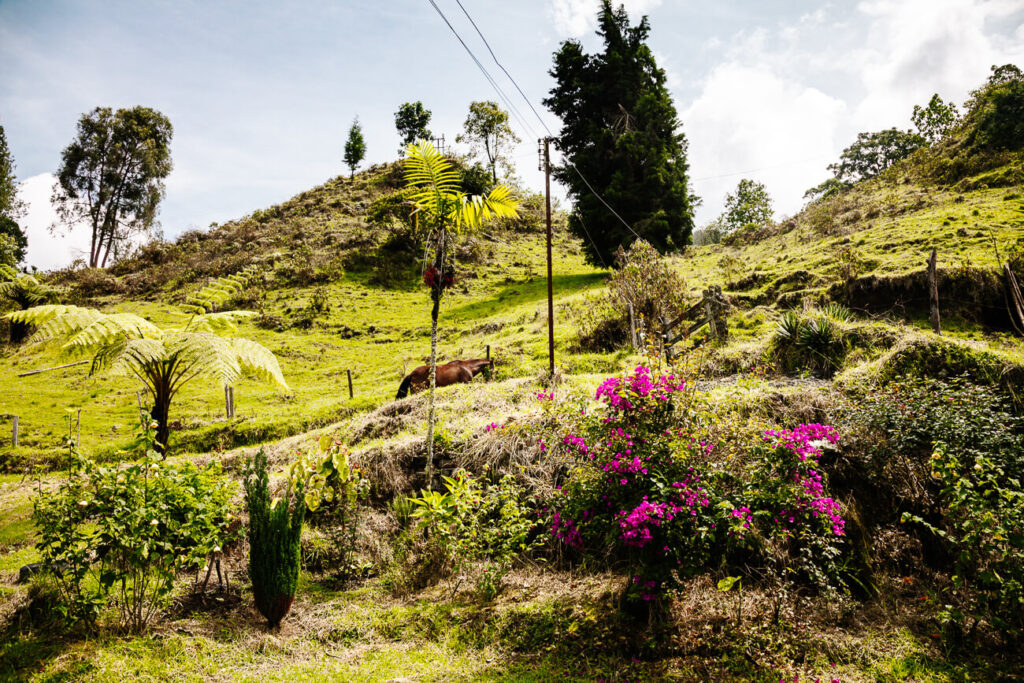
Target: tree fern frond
<point>206,354</point>
<point>108,329</point>
<point>55,320</point>
<point>129,356</point>
<point>220,290</point>
<point>259,360</point>
<point>224,322</point>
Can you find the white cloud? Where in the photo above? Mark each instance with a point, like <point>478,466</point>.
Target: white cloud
<point>750,122</point>
<point>915,48</point>
<point>47,251</point>
<point>574,18</point>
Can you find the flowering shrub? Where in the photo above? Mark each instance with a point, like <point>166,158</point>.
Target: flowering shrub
<point>646,491</point>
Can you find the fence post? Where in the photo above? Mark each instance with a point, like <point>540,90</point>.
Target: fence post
<point>710,312</point>
<point>349,383</point>
<point>721,324</point>
<point>487,373</point>
<point>231,393</point>
<point>933,293</point>
<point>14,430</point>
<point>632,327</point>
<point>78,430</point>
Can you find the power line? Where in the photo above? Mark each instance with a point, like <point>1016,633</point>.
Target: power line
<point>763,168</point>
<point>501,93</point>
<point>495,58</point>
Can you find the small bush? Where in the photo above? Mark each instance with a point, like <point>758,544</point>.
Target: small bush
<point>818,344</point>
<point>477,524</point>
<point>275,530</point>
<point>122,534</point>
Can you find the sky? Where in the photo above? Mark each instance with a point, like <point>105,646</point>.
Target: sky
<point>261,94</point>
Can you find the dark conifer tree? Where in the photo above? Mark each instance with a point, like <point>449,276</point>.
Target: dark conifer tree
<point>621,130</point>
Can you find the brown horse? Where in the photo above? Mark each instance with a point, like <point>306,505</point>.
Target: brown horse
<point>452,372</point>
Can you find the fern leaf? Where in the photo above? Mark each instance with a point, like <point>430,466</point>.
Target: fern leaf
<point>106,329</point>
<point>259,360</point>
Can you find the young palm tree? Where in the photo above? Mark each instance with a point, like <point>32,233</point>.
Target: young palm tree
<point>447,211</point>
<point>164,360</point>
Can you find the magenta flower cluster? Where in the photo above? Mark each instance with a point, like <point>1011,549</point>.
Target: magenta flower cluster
<point>621,393</point>
<point>805,443</point>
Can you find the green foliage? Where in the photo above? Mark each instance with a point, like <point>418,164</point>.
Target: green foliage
<point>411,121</point>
<point>995,113</point>
<point>23,292</point>
<point>10,206</point>
<point>621,133</point>
<point>477,523</point>
<point>114,204</point>
<point>340,491</point>
<point>873,153</point>
<point>935,121</point>
<point>827,189</point>
<point>645,280</point>
<point>275,532</point>
<point>749,205</point>
<point>818,344</point>
<point>123,533</point>
<point>215,293</point>
<point>486,130</point>
<point>355,147</point>
<point>13,242</point>
<point>982,524</point>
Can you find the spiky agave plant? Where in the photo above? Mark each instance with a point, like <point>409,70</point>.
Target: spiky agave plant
<point>164,360</point>
<point>446,210</point>
<point>824,344</point>
<point>275,531</point>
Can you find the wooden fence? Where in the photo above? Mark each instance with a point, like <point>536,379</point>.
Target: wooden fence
<point>711,309</point>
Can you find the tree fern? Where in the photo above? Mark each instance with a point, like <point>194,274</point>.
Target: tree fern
<point>163,359</point>
<point>214,294</point>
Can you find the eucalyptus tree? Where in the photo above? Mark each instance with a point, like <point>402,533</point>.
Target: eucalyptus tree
<point>164,360</point>
<point>447,211</point>
<point>487,130</point>
<point>112,176</point>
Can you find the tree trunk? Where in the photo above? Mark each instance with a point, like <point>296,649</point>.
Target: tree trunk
<point>436,294</point>
<point>160,414</point>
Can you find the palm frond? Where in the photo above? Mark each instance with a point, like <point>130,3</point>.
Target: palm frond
<point>499,203</point>
<point>259,360</point>
<point>431,173</point>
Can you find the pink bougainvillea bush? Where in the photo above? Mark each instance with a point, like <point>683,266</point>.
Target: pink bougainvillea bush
<point>648,493</point>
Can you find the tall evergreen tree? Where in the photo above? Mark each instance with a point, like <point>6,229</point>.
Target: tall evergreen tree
<point>11,208</point>
<point>355,147</point>
<point>621,130</point>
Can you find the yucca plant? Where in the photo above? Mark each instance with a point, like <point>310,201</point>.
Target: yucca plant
<point>788,328</point>
<point>824,344</point>
<point>447,211</point>
<point>837,312</point>
<point>164,360</point>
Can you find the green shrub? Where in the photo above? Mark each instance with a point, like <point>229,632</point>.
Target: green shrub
<point>122,534</point>
<point>488,524</point>
<point>275,530</point>
<point>818,344</point>
<point>338,511</point>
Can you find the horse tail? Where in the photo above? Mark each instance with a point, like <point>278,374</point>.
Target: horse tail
<point>403,388</point>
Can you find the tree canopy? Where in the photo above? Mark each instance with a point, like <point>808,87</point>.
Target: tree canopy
<point>750,204</point>
<point>995,112</point>
<point>487,130</point>
<point>873,153</point>
<point>935,120</point>
<point>620,132</point>
<point>112,176</point>
<point>411,121</point>
<point>355,147</point>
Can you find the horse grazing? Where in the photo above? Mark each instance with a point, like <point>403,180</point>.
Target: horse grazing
<point>451,372</point>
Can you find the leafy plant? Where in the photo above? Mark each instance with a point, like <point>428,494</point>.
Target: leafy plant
<point>340,487</point>
<point>24,292</point>
<point>476,523</point>
<point>818,344</point>
<point>123,533</point>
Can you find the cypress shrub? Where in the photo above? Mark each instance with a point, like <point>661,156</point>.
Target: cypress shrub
<point>275,528</point>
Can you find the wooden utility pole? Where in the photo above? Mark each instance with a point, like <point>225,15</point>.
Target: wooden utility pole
<point>933,293</point>
<point>546,167</point>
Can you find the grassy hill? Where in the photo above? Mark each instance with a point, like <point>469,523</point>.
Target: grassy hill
<point>339,292</point>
